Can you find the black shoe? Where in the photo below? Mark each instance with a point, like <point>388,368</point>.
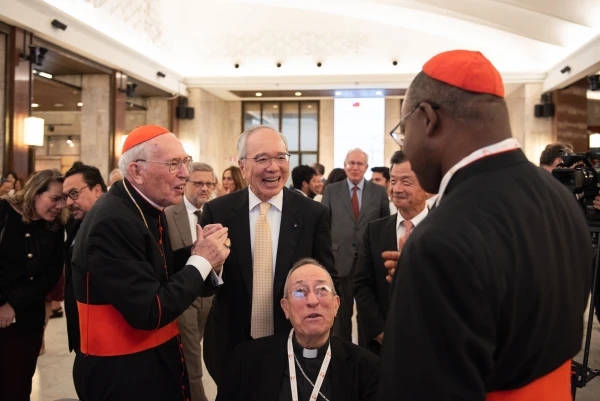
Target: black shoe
<point>56,313</point>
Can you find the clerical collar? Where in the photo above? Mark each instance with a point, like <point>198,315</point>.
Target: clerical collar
<point>146,198</point>
<point>309,353</point>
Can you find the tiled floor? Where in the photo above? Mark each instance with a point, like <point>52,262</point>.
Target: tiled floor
<point>53,378</point>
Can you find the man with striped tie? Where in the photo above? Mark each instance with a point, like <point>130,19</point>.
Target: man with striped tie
<point>270,228</point>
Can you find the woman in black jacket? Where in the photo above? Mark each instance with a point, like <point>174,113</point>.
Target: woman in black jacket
<point>31,262</point>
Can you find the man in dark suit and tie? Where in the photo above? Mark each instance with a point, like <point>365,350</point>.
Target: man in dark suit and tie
<point>306,363</point>
<point>371,289</point>
<point>270,228</point>
<point>181,220</point>
<point>83,186</point>
<point>352,203</point>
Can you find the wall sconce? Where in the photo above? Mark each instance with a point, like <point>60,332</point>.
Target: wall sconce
<point>34,131</point>
<point>595,141</point>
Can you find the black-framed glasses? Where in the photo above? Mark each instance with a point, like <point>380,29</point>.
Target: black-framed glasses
<point>201,184</point>
<point>281,159</point>
<point>397,133</point>
<point>174,165</point>
<point>74,193</point>
<point>320,291</point>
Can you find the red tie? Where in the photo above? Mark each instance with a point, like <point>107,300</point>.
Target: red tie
<point>355,202</point>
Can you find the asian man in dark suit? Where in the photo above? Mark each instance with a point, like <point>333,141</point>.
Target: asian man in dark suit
<point>352,203</point>
<point>371,288</point>
<point>270,228</point>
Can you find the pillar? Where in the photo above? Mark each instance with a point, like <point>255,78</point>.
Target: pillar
<point>326,123</point>
<point>96,122</point>
<point>392,118</point>
<point>570,120</point>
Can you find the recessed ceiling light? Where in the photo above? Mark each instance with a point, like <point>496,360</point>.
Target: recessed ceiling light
<point>274,106</point>
<point>58,105</point>
<point>338,93</point>
<point>298,94</point>
<point>310,106</point>
<point>258,94</point>
<point>79,104</point>
<point>35,105</point>
<point>378,93</point>
<point>45,75</point>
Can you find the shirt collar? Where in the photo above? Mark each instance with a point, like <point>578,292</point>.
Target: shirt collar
<point>360,185</point>
<point>276,200</point>
<point>146,198</point>
<point>415,220</point>
<point>188,205</point>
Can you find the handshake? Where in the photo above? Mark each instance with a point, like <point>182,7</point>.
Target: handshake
<point>212,244</point>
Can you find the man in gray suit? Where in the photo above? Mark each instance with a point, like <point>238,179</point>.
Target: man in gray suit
<point>181,220</point>
<point>352,203</point>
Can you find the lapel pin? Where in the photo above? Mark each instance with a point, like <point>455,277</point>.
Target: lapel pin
<point>295,225</point>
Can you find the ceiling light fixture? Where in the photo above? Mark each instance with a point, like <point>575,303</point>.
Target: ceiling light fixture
<point>298,94</point>
<point>274,106</point>
<point>310,106</point>
<point>35,105</point>
<point>70,140</point>
<point>338,93</point>
<point>258,94</point>
<point>378,93</point>
<point>45,74</point>
<point>79,104</point>
<point>58,105</point>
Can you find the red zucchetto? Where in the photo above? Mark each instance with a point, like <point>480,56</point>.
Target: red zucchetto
<point>468,70</point>
<point>142,134</point>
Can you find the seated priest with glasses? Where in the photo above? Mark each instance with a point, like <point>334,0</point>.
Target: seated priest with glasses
<point>307,363</point>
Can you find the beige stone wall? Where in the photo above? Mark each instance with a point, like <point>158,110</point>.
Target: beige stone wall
<point>532,133</point>
<point>2,96</point>
<point>95,122</point>
<point>211,137</point>
<point>134,119</point>
<point>158,112</point>
<point>326,135</point>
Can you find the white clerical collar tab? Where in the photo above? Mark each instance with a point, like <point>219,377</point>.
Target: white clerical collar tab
<point>309,353</point>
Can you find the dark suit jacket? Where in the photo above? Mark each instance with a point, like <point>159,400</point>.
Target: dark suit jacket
<point>346,232</point>
<point>304,232</point>
<point>71,311</point>
<point>257,367</point>
<point>179,226</point>
<point>371,289</point>
<point>491,287</point>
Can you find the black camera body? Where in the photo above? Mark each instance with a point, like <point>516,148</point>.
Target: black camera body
<point>578,173</point>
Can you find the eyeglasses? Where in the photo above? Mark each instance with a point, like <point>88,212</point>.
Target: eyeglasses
<point>397,133</point>
<point>320,291</point>
<point>74,193</point>
<point>281,160</point>
<point>200,184</point>
<point>356,164</point>
<point>174,165</point>
<point>62,199</point>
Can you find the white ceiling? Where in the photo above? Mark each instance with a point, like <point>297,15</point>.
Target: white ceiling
<point>356,40</point>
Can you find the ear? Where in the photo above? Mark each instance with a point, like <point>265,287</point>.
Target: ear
<point>336,304</point>
<point>432,119</point>
<point>97,190</point>
<point>241,166</point>
<point>284,305</point>
<point>135,173</point>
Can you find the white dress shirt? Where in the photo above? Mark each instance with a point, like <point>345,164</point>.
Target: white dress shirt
<point>192,218</point>
<point>400,230</point>
<point>273,216</point>
<point>393,208</point>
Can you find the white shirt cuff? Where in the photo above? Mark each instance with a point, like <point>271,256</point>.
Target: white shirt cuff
<point>205,269</point>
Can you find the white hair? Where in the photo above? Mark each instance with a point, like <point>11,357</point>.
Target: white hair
<point>112,174</point>
<point>357,150</point>
<point>241,145</point>
<point>141,151</point>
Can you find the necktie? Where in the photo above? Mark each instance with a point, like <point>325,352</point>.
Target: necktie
<point>198,214</point>
<point>355,208</point>
<point>408,226</point>
<point>262,278</point>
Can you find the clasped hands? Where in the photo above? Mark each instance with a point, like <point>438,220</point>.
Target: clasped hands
<point>212,244</point>
<point>390,259</point>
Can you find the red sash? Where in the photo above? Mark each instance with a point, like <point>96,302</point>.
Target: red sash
<point>105,332</point>
<point>555,386</point>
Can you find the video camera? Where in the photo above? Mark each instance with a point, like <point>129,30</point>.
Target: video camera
<point>579,175</point>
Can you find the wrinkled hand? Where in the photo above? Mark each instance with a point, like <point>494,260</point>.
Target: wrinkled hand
<point>7,315</point>
<point>597,201</point>
<point>391,259</point>
<point>379,338</point>
<point>211,247</point>
<point>210,228</point>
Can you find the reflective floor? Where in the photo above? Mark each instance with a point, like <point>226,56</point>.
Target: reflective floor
<point>53,378</point>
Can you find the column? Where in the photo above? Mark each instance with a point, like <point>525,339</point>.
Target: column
<point>326,135</point>
<point>95,122</point>
<point>533,133</point>
<point>392,118</point>
<point>570,120</point>
<point>3,61</point>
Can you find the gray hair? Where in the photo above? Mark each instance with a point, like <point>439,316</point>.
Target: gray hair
<point>357,150</point>
<point>112,173</point>
<point>299,264</point>
<point>198,166</point>
<point>241,144</point>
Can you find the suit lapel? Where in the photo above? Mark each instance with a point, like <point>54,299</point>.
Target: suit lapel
<point>271,374</point>
<point>342,372</point>
<point>388,236</point>
<point>183,223</point>
<point>239,233</point>
<point>346,198</point>
<point>289,232</point>
<point>366,201</point>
